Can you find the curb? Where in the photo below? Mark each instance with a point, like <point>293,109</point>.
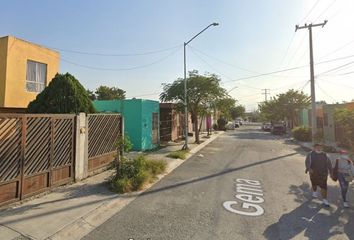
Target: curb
<point>91,220</point>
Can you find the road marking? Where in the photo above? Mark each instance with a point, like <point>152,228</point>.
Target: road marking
<point>250,193</point>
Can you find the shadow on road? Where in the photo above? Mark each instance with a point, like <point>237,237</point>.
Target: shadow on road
<point>312,220</point>
<point>224,172</point>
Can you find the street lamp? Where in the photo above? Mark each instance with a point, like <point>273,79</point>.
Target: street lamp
<point>185,146</point>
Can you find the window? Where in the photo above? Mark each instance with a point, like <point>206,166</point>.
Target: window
<point>36,76</point>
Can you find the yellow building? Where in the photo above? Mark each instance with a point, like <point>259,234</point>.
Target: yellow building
<point>25,70</point>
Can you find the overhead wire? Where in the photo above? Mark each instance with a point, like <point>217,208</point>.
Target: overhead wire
<point>117,54</point>
<point>310,11</point>
<point>323,91</point>
<point>222,61</point>
<point>325,10</point>
<point>120,69</point>
<point>270,73</point>
<point>336,68</point>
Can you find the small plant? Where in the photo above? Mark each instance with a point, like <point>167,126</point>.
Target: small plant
<point>135,173</point>
<point>123,145</point>
<point>181,154</point>
<point>302,134</point>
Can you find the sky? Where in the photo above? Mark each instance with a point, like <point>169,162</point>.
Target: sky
<point>138,45</point>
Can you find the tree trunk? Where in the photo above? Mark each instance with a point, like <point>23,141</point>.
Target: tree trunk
<point>201,123</point>
<point>195,117</point>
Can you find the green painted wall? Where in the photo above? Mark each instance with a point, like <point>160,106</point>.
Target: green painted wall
<point>137,115</point>
<point>304,117</point>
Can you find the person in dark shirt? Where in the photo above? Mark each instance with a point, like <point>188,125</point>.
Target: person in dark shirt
<point>318,165</point>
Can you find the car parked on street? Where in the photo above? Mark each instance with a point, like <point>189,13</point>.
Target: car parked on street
<point>278,129</point>
<point>230,126</point>
<point>266,126</point>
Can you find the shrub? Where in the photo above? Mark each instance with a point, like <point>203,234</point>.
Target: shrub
<point>156,167</point>
<point>64,94</point>
<point>302,134</point>
<point>181,154</point>
<point>135,173</point>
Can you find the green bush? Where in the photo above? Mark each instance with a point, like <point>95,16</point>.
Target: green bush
<point>302,134</point>
<point>64,94</point>
<point>156,167</point>
<point>181,154</point>
<point>135,173</point>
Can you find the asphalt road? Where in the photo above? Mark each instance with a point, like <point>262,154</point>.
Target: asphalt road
<point>266,173</point>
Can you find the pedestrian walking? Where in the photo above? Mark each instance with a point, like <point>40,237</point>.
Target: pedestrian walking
<point>344,173</point>
<point>318,165</point>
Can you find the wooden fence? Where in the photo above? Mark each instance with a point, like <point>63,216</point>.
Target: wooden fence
<point>36,153</point>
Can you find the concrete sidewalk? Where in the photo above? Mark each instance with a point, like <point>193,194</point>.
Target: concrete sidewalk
<point>72,211</point>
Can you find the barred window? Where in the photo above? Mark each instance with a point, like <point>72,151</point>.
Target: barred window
<point>36,76</point>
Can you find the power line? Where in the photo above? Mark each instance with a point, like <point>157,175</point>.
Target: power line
<point>117,54</point>
<point>307,82</point>
<point>337,84</point>
<point>338,49</point>
<point>288,85</point>
<point>324,11</point>
<point>222,61</point>
<point>337,68</point>
<point>297,49</point>
<point>120,69</point>
<point>284,70</point>
<point>287,50</point>
<point>334,100</point>
<point>144,95</point>
<point>309,12</point>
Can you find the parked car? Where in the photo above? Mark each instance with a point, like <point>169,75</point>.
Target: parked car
<point>278,129</point>
<point>230,126</point>
<point>237,124</point>
<point>266,126</point>
<point>240,121</point>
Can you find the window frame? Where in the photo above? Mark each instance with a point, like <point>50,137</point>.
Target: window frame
<point>37,83</point>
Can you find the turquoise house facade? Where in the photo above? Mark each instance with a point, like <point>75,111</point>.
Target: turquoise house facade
<point>141,120</point>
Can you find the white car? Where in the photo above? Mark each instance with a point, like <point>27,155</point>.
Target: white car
<point>230,126</point>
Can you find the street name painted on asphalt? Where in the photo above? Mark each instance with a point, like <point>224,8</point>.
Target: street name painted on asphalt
<point>251,194</point>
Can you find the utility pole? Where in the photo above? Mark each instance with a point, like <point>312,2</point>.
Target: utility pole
<point>185,146</point>
<point>312,76</point>
<point>266,92</point>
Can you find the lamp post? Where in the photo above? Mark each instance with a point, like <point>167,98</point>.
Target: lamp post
<point>185,146</point>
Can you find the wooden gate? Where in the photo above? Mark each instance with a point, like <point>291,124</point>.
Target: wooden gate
<point>36,153</point>
<point>103,131</point>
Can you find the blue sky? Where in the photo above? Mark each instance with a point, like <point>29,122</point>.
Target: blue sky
<point>255,35</point>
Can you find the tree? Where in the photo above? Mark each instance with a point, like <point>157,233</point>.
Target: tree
<point>64,94</point>
<point>109,93</point>
<point>345,120</point>
<point>254,116</point>
<point>237,111</point>
<point>284,106</point>
<point>91,95</point>
<point>201,91</point>
<point>224,105</point>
